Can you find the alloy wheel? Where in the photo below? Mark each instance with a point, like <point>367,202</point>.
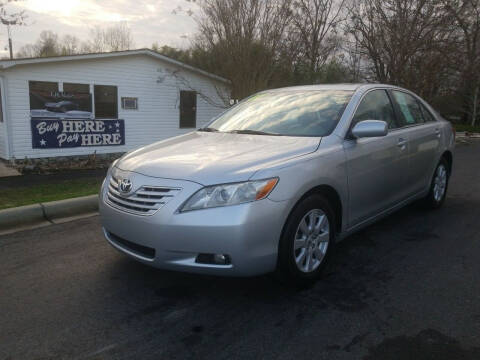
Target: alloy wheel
<point>440,183</point>
<point>311,240</point>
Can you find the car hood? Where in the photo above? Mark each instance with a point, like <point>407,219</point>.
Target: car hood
<point>213,158</point>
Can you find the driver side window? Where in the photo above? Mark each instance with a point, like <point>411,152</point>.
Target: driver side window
<point>376,105</point>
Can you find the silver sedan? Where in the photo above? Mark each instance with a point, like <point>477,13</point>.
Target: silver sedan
<point>274,182</point>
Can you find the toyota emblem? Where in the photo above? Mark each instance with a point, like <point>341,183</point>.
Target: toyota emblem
<point>125,185</point>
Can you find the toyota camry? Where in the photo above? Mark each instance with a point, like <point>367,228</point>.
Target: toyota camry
<point>271,184</point>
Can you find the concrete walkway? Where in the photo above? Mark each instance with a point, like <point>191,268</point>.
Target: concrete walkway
<point>7,171</point>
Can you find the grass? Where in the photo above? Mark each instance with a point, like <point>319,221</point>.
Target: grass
<point>465,127</point>
<point>20,196</point>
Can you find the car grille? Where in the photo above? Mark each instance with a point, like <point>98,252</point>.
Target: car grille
<point>145,201</point>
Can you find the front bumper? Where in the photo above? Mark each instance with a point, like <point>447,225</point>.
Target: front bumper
<point>247,233</point>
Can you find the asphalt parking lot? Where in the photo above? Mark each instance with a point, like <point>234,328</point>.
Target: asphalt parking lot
<point>405,288</point>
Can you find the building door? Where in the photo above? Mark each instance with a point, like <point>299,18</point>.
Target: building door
<point>188,109</point>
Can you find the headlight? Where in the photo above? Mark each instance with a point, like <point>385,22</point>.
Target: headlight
<point>229,194</point>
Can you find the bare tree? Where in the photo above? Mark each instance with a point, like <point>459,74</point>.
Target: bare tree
<point>220,98</point>
<point>70,45</point>
<point>466,15</point>
<point>352,57</point>
<point>118,37</point>
<point>406,42</point>
<point>95,42</point>
<point>316,23</point>
<point>27,51</point>
<point>114,38</point>
<point>242,40</point>
<point>47,44</point>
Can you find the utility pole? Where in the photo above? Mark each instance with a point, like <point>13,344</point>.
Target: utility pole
<point>10,46</point>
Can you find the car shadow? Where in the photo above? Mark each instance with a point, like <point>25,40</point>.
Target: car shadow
<point>348,283</point>
<point>139,301</point>
<point>356,277</point>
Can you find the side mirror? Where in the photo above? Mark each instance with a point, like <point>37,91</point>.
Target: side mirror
<point>370,128</point>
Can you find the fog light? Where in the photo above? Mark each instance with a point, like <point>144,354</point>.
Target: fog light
<point>214,259</point>
<point>220,259</point>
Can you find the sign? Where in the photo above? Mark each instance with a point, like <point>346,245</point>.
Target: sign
<point>53,133</point>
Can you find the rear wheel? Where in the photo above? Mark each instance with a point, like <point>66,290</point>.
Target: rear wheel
<point>439,185</point>
<point>307,240</point>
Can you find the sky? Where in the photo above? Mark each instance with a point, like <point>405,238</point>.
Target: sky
<point>166,22</point>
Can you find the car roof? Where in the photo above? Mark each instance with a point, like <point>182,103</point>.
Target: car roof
<point>346,87</point>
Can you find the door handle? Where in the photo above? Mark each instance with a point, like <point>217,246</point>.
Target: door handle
<point>402,144</point>
<point>438,133</point>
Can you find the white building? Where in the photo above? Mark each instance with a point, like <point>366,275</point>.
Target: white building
<point>103,103</point>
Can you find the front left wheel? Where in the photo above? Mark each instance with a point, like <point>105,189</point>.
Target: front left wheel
<point>307,240</point>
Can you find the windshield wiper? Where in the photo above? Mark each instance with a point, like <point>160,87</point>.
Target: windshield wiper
<point>253,132</point>
<point>208,129</point>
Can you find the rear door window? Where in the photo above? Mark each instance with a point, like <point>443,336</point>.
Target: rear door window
<point>409,108</point>
<point>427,115</point>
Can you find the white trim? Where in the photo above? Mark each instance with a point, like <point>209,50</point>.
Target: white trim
<point>5,115</point>
<point>5,64</point>
<point>92,100</point>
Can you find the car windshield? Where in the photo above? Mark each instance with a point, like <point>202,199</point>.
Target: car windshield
<point>290,113</point>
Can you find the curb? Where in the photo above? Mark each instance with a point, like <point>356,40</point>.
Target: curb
<point>467,135</point>
<point>30,216</point>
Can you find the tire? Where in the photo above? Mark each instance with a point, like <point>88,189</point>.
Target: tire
<point>438,186</point>
<point>304,250</point>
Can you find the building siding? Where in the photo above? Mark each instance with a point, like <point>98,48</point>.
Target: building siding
<point>157,117</point>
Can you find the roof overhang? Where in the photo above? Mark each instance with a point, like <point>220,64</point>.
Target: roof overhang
<point>6,64</point>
